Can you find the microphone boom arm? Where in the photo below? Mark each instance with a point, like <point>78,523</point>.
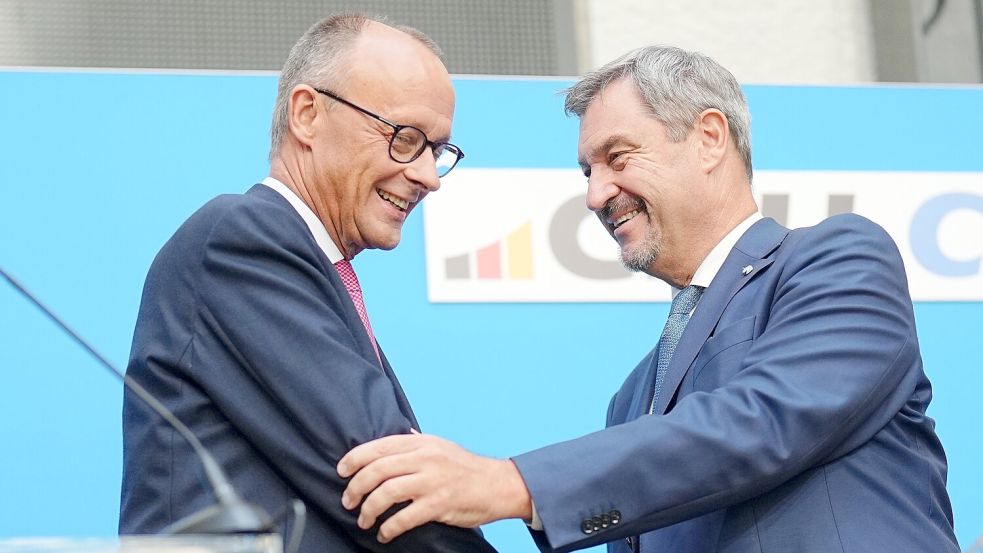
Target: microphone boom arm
<point>231,515</point>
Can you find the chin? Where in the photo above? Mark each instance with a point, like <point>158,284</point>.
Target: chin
<point>386,243</point>
<point>640,258</point>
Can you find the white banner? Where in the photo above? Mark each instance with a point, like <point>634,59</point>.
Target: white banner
<point>525,235</point>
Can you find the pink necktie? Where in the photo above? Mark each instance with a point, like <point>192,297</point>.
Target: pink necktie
<point>347,274</point>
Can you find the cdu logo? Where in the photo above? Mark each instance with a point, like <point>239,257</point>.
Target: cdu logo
<point>516,235</point>
<point>510,257</point>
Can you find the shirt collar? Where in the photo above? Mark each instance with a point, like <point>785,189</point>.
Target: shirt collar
<point>315,225</point>
<point>715,259</point>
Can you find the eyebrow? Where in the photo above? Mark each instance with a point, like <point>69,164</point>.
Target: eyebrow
<point>441,140</point>
<point>601,148</point>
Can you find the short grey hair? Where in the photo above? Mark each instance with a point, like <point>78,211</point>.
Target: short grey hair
<point>677,85</point>
<point>317,59</point>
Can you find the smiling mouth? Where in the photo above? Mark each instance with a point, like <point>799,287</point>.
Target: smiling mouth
<point>625,218</point>
<point>400,203</point>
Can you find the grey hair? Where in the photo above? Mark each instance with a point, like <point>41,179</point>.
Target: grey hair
<point>677,85</point>
<point>318,58</point>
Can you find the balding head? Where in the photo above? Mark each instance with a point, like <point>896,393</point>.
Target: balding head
<point>318,58</point>
<point>391,66</point>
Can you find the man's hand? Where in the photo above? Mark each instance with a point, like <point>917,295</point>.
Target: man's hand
<point>444,482</point>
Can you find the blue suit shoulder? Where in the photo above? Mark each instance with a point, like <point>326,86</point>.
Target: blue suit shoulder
<point>255,221</point>
<point>256,217</point>
<point>260,206</point>
<point>841,241</point>
<point>847,229</point>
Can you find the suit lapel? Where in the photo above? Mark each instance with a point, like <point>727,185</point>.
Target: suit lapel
<point>349,313</point>
<point>404,404</point>
<point>642,396</point>
<point>364,343</point>
<point>751,250</point>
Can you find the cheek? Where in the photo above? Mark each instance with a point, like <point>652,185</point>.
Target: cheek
<point>369,178</point>
<point>643,179</point>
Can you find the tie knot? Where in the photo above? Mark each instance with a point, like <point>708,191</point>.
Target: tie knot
<point>347,274</point>
<point>344,265</point>
<point>685,300</point>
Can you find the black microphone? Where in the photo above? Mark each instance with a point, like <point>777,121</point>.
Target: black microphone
<point>231,515</point>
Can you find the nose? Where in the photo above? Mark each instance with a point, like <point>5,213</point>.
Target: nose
<point>600,189</point>
<point>423,171</point>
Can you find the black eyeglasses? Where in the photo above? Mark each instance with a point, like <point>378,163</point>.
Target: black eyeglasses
<point>407,142</point>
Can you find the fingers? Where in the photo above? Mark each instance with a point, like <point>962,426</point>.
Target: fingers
<point>375,473</point>
<point>364,454</point>
<point>389,493</point>
<point>413,515</point>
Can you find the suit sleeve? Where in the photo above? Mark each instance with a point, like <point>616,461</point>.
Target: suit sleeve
<point>836,361</point>
<point>274,353</point>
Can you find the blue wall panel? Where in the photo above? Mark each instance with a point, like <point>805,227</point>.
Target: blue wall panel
<point>98,169</point>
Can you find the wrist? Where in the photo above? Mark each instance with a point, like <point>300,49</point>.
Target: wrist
<point>517,501</point>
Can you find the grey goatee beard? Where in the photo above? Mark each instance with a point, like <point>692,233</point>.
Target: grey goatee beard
<point>639,257</point>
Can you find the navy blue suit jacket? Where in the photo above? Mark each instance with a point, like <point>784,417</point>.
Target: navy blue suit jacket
<point>248,335</point>
<point>792,417</point>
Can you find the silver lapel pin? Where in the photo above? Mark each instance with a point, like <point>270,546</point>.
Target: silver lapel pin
<point>747,270</point>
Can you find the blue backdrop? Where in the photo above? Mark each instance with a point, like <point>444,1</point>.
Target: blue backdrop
<point>97,170</point>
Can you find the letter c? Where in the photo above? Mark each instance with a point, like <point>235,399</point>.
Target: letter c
<point>563,241</point>
<point>925,234</point>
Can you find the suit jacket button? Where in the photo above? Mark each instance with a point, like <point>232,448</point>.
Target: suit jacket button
<point>587,526</point>
<point>605,521</point>
<point>615,516</point>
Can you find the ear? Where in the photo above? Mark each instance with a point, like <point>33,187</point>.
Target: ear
<point>302,113</point>
<point>713,134</point>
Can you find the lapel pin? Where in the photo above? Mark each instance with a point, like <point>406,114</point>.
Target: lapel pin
<point>747,270</point>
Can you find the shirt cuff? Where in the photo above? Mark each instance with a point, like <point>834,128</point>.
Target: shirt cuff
<point>536,523</point>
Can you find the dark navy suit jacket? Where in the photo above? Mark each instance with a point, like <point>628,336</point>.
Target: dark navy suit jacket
<point>794,420</point>
<point>248,335</point>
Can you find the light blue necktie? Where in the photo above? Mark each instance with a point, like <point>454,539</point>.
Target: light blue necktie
<point>682,306</point>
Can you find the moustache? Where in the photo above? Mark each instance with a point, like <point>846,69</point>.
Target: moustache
<point>620,204</point>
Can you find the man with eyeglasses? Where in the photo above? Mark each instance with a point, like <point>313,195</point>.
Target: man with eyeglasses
<point>252,328</point>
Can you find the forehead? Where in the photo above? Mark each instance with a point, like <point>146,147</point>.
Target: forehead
<point>617,111</point>
<point>397,75</point>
